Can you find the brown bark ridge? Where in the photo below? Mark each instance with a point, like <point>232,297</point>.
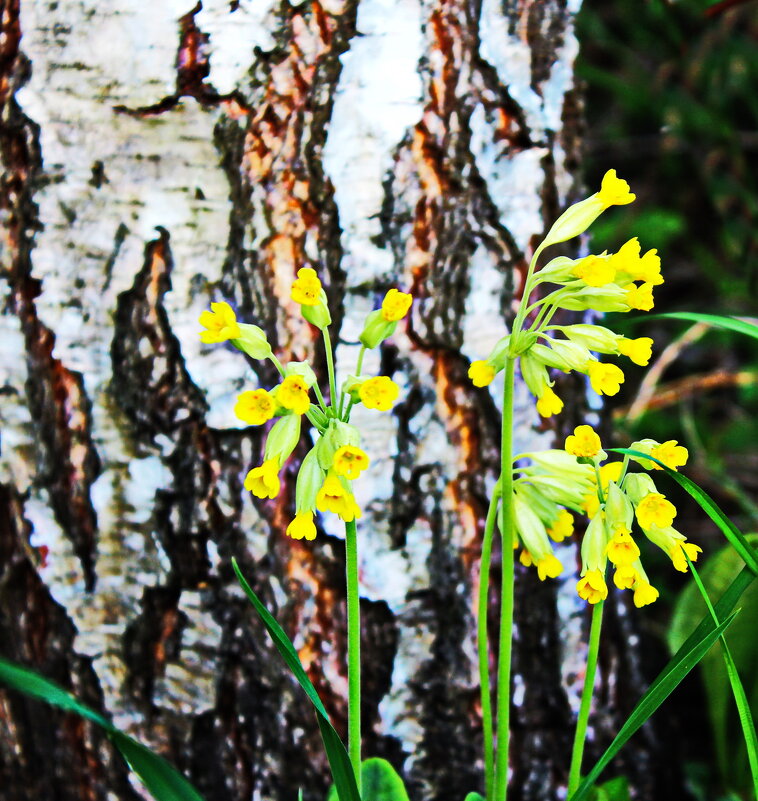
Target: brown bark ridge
<point>425,144</point>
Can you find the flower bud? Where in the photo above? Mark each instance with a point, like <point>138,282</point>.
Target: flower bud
<point>252,340</point>
<point>283,438</point>
<point>376,329</point>
<point>310,477</point>
<point>594,544</point>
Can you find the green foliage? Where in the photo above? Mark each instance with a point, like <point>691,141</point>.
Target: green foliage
<point>614,790</point>
<point>717,573</point>
<point>163,781</point>
<point>380,782</point>
<point>717,320</point>
<point>339,761</point>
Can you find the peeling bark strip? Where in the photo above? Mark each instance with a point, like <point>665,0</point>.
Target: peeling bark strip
<point>437,176</point>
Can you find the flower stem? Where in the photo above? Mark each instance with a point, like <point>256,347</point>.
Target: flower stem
<point>506,588</point>
<point>482,643</point>
<point>353,651</point>
<point>330,368</point>
<point>584,708</point>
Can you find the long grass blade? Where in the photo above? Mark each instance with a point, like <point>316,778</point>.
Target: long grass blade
<point>162,780</point>
<point>717,320</point>
<point>339,761</point>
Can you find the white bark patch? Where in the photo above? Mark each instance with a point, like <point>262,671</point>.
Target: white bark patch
<point>378,98</point>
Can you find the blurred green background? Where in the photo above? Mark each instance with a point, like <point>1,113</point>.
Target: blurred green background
<point>672,103</point>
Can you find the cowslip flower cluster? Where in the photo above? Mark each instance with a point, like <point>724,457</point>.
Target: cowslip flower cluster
<point>616,500</point>
<point>324,481</point>
<point>615,282</point>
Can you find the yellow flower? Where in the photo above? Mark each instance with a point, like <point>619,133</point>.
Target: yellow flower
<point>625,576</point>
<point>644,594</point>
<point>595,270</point>
<point>677,552</point>
<point>622,549</point>
<point>481,373</point>
<point>671,454</point>
<point>395,305</point>
<point>640,297</point>
<point>378,393</point>
<point>549,403</point>
<point>302,526</point>
<point>591,504</point>
<point>221,323</point>
<point>648,269</point>
<point>255,407</point>
<point>306,288</point>
<point>292,394</point>
<point>606,379</point>
<point>549,567</point>
<point>263,481</point>
<point>655,510</point>
<point>592,587</point>
<point>525,557</point>
<point>638,350</point>
<point>614,191</point>
<point>583,442</point>
<point>562,526</point>
<point>334,496</point>
<point>350,462</point>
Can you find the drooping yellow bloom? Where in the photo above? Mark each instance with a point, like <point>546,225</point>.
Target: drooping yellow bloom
<point>605,379</point>
<point>378,393</point>
<point>595,270</point>
<point>625,260</point>
<point>622,549</point>
<point>481,373</point>
<point>648,269</point>
<point>334,496</point>
<point>221,323</point>
<point>640,297</point>
<point>655,510</point>
<point>638,350</point>
<point>562,526</point>
<point>302,526</point>
<point>583,442</point>
<point>614,191</point>
<point>625,576</point>
<point>548,567</point>
<point>292,394</point>
<point>306,288</point>
<point>644,594</point>
<point>671,454</point>
<point>395,305</point>
<point>677,552</point>
<point>592,587</point>
<point>549,403</point>
<point>255,407</point>
<point>263,481</point>
<point>350,462</point>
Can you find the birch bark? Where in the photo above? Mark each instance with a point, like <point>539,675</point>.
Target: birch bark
<point>159,156</point>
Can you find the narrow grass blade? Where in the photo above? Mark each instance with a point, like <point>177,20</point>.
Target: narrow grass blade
<point>738,690</point>
<point>716,320</point>
<point>679,666</point>
<point>162,780</point>
<point>748,554</point>
<point>339,761</point>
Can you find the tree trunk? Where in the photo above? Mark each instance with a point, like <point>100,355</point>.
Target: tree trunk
<point>151,165</point>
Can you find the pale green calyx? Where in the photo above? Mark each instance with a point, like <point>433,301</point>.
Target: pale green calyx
<point>283,438</point>
<point>303,369</point>
<point>252,340</point>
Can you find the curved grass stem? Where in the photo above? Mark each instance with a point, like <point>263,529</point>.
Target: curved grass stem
<point>353,651</point>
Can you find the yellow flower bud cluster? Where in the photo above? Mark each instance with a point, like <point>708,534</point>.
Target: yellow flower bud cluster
<point>608,282</point>
<point>325,475</point>
<point>617,498</point>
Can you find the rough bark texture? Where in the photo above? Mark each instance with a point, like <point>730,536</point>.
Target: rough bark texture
<point>157,156</point>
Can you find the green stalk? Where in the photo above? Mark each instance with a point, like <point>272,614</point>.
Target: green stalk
<point>482,643</point>
<point>353,651</point>
<point>330,368</point>
<point>584,709</point>
<point>506,588</point>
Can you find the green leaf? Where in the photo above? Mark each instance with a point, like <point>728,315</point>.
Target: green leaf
<point>716,574</point>
<point>163,781</point>
<point>475,797</point>
<point>748,554</point>
<point>339,761</point>
<point>679,666</point>
<point>379,782</point>
<point>716,320</point>
<point>614,790</point>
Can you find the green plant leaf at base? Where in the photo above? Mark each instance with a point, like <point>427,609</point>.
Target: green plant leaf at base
<point>379,782</point>
<point>162,780</point>
<point>339,761</point>
<point>679,666</point>
<point>748,554</point>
